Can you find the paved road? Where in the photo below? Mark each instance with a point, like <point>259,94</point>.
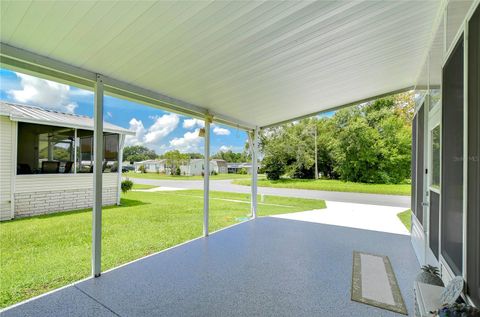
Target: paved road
<point>227,186</point>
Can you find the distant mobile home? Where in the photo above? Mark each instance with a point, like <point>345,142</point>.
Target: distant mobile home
<point>195,167</point>
<point>46,161</point>
<point>151,166</point>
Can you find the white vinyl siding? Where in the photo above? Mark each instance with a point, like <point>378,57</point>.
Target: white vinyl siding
<point>49,182</point>
<point>6,167</point>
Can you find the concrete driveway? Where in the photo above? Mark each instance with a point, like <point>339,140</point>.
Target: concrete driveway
<point>359,216</point>
<point>227,186</point>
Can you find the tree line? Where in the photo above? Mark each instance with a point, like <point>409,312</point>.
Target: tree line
<point>369,143</point>
<point>137,153</point>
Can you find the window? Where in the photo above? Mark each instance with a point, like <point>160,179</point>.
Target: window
<point>110,152</point>
<point>420,164</point>
<point>473,203</point>
<point>43,149</point>
<point>86,152</point>
<point>435,181</point>
<point>452,161</point>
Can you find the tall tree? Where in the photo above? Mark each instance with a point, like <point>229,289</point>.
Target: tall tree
<point>368,143</point>
<point>136,153</point>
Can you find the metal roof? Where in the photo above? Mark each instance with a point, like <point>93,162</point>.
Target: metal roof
<point>23,113</point>
<point>254,63</point>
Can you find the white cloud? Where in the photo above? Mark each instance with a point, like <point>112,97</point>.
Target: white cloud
<point>224,148</point>
<point>221,131</point>
<point>189,143</point>
<point>137,126</point>
<point>162,127</point>
<point>193,123</point>
<point>43,93</point>
<point>153,117</point>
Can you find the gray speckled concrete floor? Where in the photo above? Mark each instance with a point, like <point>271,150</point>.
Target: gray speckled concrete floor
<point>266,267</point>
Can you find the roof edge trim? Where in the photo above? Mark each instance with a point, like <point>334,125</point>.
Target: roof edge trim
<point>31,63</point>
<point>334,108</point>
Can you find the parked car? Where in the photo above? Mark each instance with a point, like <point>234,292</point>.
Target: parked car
<point>127,168</point>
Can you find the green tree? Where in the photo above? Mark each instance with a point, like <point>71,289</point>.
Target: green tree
<point>368,143</point>
<point>230,156</point>
<point>136,153</point>
<point>174,160</point>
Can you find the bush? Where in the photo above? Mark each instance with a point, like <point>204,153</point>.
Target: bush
<point>126,185</point>
<point>242,171</point>
<point>178,172</point>
<point>274,167</point>
<point>214,173</point>
<point>142,169</point>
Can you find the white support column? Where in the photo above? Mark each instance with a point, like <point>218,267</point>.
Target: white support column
<point>254,151</point>
<point>75,147</point>
<point>206,176</point>
<point>121,142</point>
<point>97,178</point>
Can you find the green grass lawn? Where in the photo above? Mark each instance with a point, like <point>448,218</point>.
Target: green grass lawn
<point>42,253</point>
<point>180,177</point>
<point>333,185</point>
<point>406,218</point>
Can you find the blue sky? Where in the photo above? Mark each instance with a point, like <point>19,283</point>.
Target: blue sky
<point>155,128</point>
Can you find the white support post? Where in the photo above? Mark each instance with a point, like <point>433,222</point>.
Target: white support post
<point>121,142</point>
<point>75,147</point>
<point>206,176</point>
<point>254,151</point>
<point>97,178</point>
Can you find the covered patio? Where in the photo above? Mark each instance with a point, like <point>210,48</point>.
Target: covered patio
<point>263,267</point>
<point>253,66</point>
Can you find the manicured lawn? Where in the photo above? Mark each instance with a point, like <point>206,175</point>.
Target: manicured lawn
<point>180,177</point>
<point>333,185</point>
<point>406,218</point>
<point>45,252</point>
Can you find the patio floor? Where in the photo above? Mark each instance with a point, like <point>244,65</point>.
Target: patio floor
<point>264,267</point>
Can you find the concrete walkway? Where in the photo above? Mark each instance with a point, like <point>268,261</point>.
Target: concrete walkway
<point>360,216</point>
<point>227,186</point>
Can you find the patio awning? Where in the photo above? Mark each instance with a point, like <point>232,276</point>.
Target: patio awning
<point>248,63</point>
<point>23,113</point>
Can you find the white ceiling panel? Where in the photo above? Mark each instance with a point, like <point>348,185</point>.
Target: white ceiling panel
<point>256,62</point>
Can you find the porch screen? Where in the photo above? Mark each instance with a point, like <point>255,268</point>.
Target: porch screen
<point>452,160</point>
<point>414,163</point>
<point>434,222</point>
<point>420,164</point>
<point>473,224</point>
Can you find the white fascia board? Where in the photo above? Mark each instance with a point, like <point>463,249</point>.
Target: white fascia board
<point>334,108</point>
<point>30,63</point>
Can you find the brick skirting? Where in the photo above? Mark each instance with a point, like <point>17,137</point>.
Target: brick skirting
<point>46,202</point>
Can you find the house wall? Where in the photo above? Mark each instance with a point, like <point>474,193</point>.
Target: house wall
<point>7,141</point>
<point>446,226</point>
<point>47,193</point>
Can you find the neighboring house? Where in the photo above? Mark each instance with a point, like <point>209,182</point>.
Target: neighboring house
<point>195,167</point>
<point>218,166</point>
<point>46,161</point>
<point>151,166</point>
<point>235,168</point>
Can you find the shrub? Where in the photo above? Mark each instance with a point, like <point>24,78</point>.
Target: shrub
<point>274,167</point>
<point>242,171</point>
<point>126,185</point>
<point>142,169</point>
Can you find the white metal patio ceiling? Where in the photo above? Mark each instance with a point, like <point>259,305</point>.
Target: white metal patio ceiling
<point>249,61</point>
